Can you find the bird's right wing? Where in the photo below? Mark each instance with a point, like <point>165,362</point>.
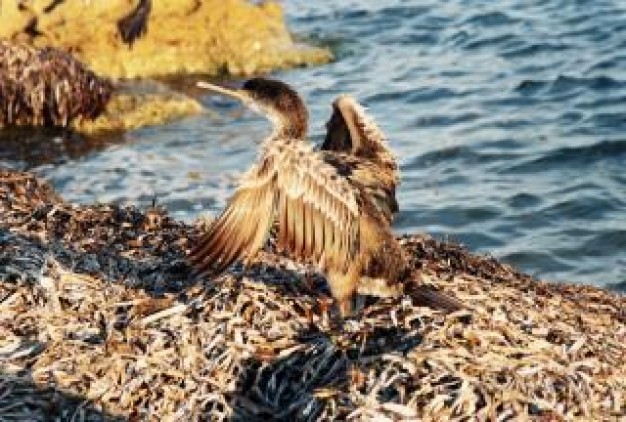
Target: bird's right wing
<point>350,131</point>
<point>318,213</point>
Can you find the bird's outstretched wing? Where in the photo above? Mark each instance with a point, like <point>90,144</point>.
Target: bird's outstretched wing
<point>351,130</point>
<point>357,146</point>
<point>318,213</point>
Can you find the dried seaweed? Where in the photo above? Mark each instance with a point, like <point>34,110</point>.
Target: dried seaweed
<point>96,301</point>
<point>47,87</point>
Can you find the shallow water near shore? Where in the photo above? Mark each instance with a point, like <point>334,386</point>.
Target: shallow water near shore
<point>508,121</point>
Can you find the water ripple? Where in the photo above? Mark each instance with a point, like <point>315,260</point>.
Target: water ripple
<point>575,157</point>
<point>507,117</point>
<point>490,19</point>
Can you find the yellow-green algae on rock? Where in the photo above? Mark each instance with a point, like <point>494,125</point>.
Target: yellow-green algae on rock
<point>49,87</point>
<point>183,36</point>
<point>139,104</point>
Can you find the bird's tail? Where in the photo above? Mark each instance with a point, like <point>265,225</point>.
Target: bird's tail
<point>421,294</point>
<point>435,299</point>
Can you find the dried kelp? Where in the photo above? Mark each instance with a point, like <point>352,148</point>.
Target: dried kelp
<point>47,87</point>
<point>96,301</point>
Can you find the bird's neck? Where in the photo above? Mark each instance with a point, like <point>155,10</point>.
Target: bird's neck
<point>293,125</point>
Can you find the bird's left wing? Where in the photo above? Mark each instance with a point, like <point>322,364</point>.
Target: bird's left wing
<point>317,210</point>
<point>243,226</point>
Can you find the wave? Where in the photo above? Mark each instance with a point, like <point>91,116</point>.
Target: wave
<point>573,157</point>
<point>564,83</point>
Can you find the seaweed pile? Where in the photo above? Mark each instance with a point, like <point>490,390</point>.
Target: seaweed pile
<point>47,87</point>
<point>96,304</point>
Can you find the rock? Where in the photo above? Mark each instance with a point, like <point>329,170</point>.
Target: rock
<point>139,104</point>
<point>181,37</point>
<point>48,87</point>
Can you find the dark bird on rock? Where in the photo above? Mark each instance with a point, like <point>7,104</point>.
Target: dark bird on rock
<point>31,28</point>
<point>333,206</point>
<point>53,4</point>
<point>135,24</point>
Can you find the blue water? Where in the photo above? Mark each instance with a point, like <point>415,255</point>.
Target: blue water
<point>508,117</point>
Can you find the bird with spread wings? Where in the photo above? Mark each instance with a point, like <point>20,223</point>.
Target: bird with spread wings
<point>333,206</point>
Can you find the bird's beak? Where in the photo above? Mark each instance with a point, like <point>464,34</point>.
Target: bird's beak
<point>239,94</point>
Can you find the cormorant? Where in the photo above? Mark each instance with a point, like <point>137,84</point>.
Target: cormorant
<point>333,206</point>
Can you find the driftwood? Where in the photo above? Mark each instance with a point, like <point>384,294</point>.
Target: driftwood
<point>99,319</point>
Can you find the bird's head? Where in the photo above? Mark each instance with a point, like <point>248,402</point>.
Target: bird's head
<point>276,100</point>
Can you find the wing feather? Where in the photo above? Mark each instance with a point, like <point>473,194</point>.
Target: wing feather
<point>308,231</point>
<point>209,246</point>
<point>317,211</point>
<point>241,229</point>
<point>283,231</point>
<point>291,225</point>
<point>318,236</point>
<point>300,234</point>
<point>328,241</point>
<point>241,237</point>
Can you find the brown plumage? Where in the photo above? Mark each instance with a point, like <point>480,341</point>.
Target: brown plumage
<point>333,206</point>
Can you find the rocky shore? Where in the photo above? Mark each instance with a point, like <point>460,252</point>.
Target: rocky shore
<point>62,61</point>
<point>99,320</point>
<point>213,37</point>
<point>48,87</point>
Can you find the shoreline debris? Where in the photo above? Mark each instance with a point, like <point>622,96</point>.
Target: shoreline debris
<point>257,343</point>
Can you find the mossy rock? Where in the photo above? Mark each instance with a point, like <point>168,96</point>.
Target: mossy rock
<point>139,104</point>
<point>182,37</point>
